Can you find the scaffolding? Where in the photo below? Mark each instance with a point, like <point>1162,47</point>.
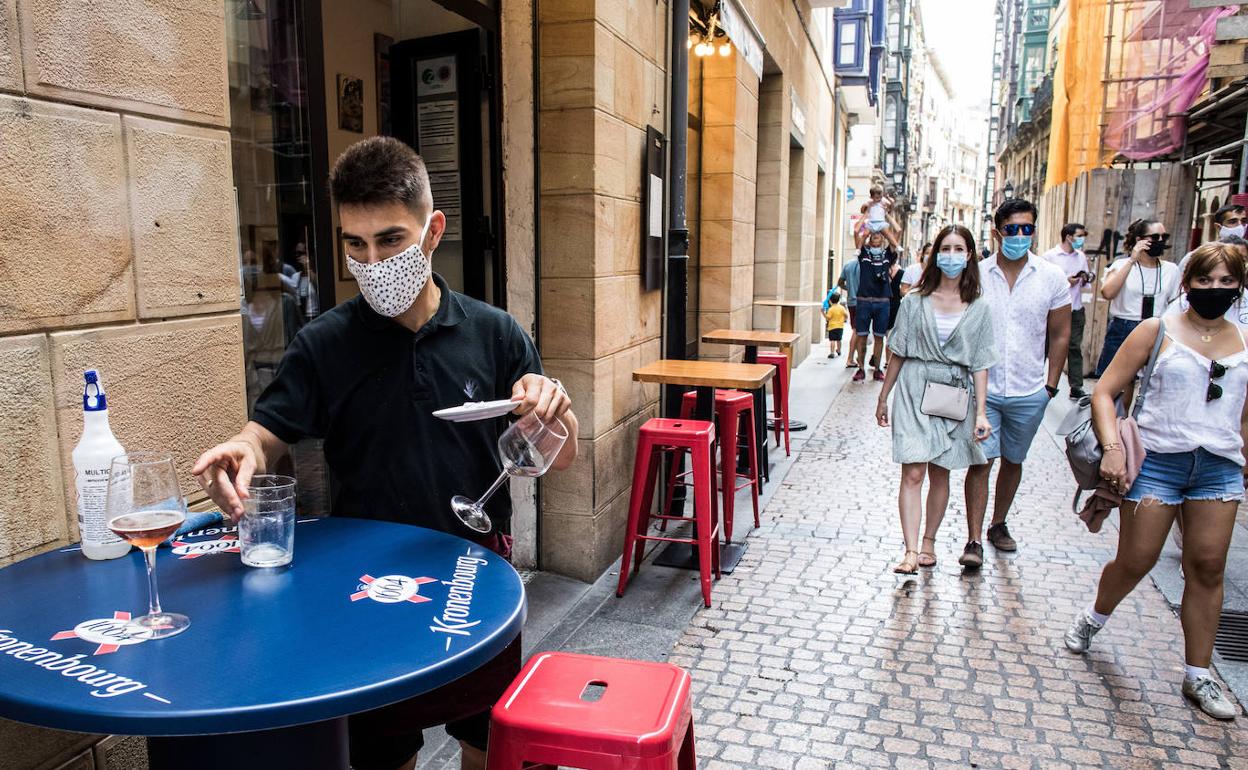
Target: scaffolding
<point>1152,56</point>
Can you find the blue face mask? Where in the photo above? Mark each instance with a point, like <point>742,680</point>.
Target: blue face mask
<point>1078,242</point>
<point>875,251</point>
<point>952,263</point>
<point>1015,246</point>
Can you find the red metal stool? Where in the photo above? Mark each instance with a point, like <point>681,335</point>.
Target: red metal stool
<point>659,436</point>
<point>779,393</point>
<point>734,415</point>
<point>640,719</point>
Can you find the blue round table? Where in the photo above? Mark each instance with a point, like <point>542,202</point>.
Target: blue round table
<point>368,614</point>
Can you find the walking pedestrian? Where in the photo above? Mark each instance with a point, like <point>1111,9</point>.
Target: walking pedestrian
<point>911,275</point>
<point>1138,286</point>
<point>1069,256</point>
<point>1192,424</point>
<point>876,262</point>
<point>944,337</point>
<point>1030,301</point>
<point>848,283</point>
<point>835,315</point>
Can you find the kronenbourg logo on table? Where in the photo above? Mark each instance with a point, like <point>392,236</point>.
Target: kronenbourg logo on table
<point>104,683</point>
<point>455,618</point>
<point>225,544</point>
<point>391,589</point>
<point>111,634</point>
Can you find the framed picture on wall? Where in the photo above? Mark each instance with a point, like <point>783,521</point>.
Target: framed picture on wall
<point>381,56</point>
<point>351,103</point>
<point>343,273</point>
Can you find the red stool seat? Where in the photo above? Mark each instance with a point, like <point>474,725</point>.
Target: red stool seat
<point>734,415</point>
<point>779,393</point>
<point>641,718</point>
<point>659,436</point>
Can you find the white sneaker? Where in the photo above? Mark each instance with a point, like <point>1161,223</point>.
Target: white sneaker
<point>1079,635</point>
<point>1208,697</point>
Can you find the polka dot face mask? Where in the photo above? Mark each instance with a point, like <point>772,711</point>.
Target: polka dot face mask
<point>393,284</point>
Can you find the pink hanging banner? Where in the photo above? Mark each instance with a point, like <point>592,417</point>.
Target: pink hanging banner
<point>1158,71</point>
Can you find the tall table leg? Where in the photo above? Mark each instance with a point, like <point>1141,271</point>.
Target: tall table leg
<point>684,555</point>
<point>760,423</point>
<point>316,746</point>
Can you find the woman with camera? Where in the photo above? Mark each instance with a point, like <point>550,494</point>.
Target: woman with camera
<point>1138,286</point>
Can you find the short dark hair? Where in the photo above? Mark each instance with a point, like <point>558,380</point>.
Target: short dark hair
<point>875,188</point>
<point>1071,228</point>
<point>379,170</point>
<point>1014,206</point>
<point>834,298</point>
<point>968,286</point>
<point>1221,213</point>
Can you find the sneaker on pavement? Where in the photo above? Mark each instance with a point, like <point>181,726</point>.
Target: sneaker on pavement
<point>1208,697</point>
<point>831,355</point>
<point>1079,635</point>
<point>878,376</point>
<point>859,375</point>
<point>972,556</point>
<point>999,536</point>
<point>1077,393</point>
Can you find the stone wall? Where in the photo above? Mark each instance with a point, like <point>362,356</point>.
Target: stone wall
<point>601,82</point>
<point>117,251</point>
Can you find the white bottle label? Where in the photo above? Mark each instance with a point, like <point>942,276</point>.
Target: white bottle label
<point>92,496</point>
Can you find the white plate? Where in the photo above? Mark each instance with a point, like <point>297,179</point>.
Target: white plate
<point>476,410</point>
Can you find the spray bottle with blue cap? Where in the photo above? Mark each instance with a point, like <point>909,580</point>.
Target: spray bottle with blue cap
<point>92,460</point>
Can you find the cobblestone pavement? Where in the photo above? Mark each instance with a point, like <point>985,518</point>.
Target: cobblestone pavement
<point>816,655</point>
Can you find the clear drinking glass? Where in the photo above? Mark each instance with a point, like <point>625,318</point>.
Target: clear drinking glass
<point>145,506</point>
<point>527,448</point>
<point>266,533</point>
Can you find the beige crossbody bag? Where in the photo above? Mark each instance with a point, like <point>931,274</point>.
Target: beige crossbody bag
<point>948,401</point>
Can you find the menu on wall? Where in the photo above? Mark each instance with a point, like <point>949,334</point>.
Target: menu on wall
<point>437,118</point>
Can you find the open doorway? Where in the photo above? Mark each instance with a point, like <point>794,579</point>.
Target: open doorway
<point>425,71</point>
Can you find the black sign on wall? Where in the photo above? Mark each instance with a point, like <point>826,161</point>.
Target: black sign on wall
<point>653,183</point>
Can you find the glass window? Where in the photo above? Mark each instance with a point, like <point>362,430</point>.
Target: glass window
<point>271,152</point>
<point>846,50</point>
<point>890,122</point>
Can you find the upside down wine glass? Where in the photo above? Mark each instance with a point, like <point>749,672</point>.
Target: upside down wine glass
<point>145,506</point>
<point>527,448</point>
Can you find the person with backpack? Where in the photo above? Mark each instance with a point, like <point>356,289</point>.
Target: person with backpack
<point>1192,424</point>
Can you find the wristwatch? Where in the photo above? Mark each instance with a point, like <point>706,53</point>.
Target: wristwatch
<point>1052,391</point>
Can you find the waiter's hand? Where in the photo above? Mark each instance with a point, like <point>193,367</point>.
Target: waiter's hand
<point>224,472</point>
<point>542,395</point>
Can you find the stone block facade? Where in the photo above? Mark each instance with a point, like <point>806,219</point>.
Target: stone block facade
<point>600,83</point>
<point>119,220</point>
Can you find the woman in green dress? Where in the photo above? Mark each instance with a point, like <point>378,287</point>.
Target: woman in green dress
<point>943,335</point>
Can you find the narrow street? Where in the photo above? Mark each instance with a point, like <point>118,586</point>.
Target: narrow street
<point>816,655</point>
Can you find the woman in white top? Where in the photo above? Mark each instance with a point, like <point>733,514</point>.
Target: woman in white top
<point>1193,424</point>
<point>1138,286</point>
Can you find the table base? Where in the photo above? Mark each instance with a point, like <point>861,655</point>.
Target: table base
<point>316,746</point>
<point>681,556</point>
<point>794,425</point>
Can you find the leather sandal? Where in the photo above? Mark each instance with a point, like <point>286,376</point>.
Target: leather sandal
<point>928,558</point>
<point>908,566</point>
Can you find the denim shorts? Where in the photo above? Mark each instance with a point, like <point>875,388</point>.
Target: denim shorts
<point>872,317</point>
<point>1015,420</point>
<point>1196,475</point>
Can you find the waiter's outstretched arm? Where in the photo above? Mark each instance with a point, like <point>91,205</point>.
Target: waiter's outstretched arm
<point>225,471</point>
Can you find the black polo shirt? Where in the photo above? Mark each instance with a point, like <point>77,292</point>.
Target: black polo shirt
<point>369,387</point>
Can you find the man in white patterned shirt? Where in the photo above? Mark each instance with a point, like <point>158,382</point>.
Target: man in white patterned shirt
<point>1030,302</point>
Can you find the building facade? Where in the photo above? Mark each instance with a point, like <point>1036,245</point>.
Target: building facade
<point>192,162</point>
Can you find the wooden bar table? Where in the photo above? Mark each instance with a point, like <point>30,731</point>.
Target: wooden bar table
<point>704,377</point>
<point>753,340</point>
